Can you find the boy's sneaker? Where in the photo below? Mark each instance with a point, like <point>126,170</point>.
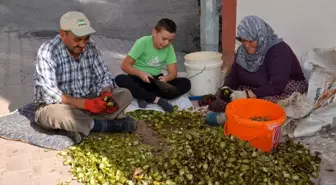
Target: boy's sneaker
<point>165,105</point>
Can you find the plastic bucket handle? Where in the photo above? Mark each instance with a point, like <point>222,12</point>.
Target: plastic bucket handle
<point>204,68</point>
<point>198,73</point>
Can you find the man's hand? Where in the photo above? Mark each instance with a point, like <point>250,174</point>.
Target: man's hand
<point>238,95</point>
<point>96,105</point>
<point>162,78</point>
<point>106,93</point>
<point>112,104</point>
<point>144,76</point>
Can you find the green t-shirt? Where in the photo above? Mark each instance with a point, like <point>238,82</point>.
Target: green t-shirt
<point>149,59</point>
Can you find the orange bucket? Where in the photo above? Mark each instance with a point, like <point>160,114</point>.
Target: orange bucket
<point>264,135</point>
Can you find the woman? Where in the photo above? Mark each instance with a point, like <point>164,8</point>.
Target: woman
<point>265,67</point>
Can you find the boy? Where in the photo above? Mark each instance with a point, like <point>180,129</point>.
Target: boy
<point>143,66</point>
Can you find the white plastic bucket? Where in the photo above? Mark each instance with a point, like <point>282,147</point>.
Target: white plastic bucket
<point>204,71</point>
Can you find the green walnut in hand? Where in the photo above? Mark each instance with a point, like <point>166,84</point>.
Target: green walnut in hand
<point>109,101</point>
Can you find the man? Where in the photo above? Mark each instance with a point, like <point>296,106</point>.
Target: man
<point>73,87</point>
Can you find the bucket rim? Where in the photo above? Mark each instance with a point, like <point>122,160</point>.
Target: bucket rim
<point>216,56</point>
<point>210,66</point>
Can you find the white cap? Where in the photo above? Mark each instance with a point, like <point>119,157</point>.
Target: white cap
<point>77,23</point>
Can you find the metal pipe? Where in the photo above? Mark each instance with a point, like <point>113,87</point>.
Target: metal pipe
<point>209,25</point>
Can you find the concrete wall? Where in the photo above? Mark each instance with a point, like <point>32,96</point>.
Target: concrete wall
<point>303,24</point>
<point>125,19</point>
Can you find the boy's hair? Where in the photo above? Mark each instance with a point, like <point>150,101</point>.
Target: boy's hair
<point>166,24</point>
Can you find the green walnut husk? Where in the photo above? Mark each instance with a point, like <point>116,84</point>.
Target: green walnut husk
<point>109,101</point>
<point>226,92</point>
<point>197,154</point>
<point>106,98</point>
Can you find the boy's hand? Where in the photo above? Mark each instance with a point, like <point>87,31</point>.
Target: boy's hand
<point>145,77</point>
<point>162,78</point>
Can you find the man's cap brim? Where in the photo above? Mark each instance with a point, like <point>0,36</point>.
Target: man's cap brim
<point>84,31</point>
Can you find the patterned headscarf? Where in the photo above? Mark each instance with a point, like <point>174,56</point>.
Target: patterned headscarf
<point>253,28</point>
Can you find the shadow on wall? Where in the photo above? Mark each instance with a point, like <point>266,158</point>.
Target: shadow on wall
<point>124,19</point>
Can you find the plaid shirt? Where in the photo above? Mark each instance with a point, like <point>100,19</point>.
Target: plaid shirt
<point>57,72</point>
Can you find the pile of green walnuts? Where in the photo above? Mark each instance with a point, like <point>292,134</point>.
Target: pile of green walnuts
<point>197,154</point>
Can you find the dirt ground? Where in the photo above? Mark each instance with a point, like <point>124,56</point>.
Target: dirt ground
<point>151,137</point>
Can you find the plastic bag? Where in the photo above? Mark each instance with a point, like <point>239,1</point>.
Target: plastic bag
<point>320,67</point>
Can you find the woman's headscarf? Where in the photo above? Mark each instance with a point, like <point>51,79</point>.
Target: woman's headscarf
<point>253,28</point>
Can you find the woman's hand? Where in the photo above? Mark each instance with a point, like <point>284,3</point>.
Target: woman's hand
<point>242,94</point>
<point>251,94</point>
<point>238,95</point>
